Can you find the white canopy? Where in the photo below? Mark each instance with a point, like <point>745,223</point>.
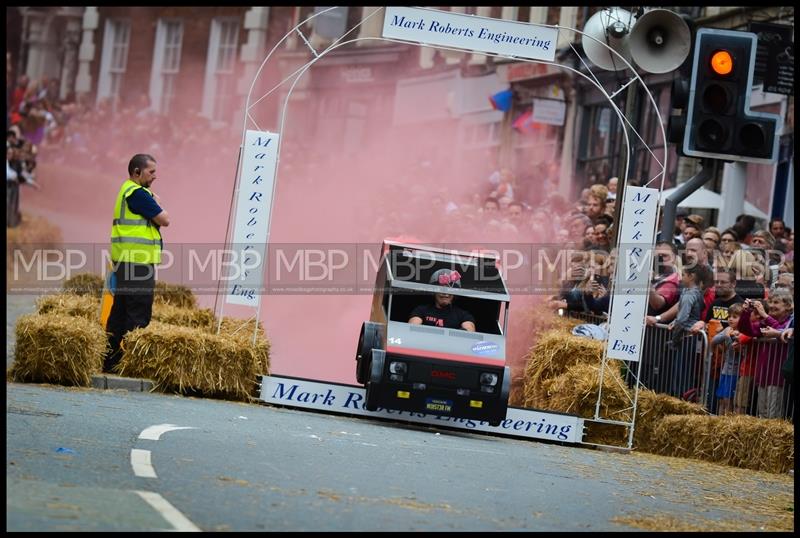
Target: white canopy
<point>703,198</point>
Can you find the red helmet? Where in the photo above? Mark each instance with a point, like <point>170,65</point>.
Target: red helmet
<point>446,277</point>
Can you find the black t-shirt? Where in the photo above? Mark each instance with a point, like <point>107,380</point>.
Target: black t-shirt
<point>719,308</point>
<point>450,317</point>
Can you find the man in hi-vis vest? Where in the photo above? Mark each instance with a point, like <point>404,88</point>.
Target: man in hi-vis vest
<point>135,252</point>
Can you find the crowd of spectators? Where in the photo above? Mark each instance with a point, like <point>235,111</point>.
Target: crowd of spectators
<point>698,274</point>
<point>94,136</point>
<point>742,262</point>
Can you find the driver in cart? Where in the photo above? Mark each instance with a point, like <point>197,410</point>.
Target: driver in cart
<point>442,312</point>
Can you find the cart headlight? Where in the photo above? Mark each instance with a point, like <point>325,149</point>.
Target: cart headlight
<point>397,367</point>
<point>488,379</point>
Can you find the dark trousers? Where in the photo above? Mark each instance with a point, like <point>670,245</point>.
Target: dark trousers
<point>684,367</point>
<point>132,307</point>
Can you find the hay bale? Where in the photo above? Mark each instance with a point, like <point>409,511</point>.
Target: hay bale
<point>554,353</point>
<point>242,329</point>
<point>530,318</point>
<point>183,317</point>
<point>85,284</point>
<point>33,233</point>
<point>70,304</point>
<point>169,294</point>
<point>651,407</point>
<point>175,295</point>
<point>32,237</point>
<point>575,392</point>
<point>564,324</point>
<point>87,305</point>
<point>736,440</point>
<point>192,360</point>
<point>58,349</point>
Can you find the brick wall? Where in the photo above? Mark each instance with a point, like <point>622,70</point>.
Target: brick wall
<point>196,32</point>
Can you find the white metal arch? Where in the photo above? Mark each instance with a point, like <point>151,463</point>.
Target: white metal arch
<point>298,73</point>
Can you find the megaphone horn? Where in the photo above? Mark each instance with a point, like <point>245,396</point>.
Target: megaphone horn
<point>611,27</point>
<point>660,41</point>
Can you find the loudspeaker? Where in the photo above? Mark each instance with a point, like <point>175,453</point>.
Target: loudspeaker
<point>660,41</point>
<point>610,26</point>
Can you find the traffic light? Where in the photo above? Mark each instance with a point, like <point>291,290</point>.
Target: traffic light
<point>679,97</point>
<point>719,123</point>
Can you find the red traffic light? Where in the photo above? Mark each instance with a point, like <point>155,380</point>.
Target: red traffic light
<point>722,62</point>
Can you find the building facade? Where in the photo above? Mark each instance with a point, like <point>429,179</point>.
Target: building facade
<point>204,60</point>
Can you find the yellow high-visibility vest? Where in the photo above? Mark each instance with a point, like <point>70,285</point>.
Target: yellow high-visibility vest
<point>134,239</point>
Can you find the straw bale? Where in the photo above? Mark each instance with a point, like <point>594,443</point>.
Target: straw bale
<point>651,407</point>
<point>575,392</point>
<point>58,349</point>
<point>242,329</point>
<point>183,317</point>
<point>33,233</point>
<point>533,318</point>
<point>737,440</point>
<point>85,284</point>
<point>564,323</point>
<point>70,304</point>
<point>175,295</point>
<point>192,360</point>
<point>552,355</point>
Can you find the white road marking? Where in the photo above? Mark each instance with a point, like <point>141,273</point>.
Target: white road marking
<point>169,512</point>
<point>140,461</point>
<point>154,432</point>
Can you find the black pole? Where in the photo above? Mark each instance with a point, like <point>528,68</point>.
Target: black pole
<point>708,172</point>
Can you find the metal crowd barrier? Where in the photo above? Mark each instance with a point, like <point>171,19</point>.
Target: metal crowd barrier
<point>674,366</point>
<point>690,368</point>
<point>587,317</point>
<point>752,381</point>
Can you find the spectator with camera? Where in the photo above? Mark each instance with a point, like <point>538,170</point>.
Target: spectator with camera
<point>772,322</point>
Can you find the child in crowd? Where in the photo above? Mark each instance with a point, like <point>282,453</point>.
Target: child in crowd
<point>770,358</point>
<point>747,367</point>
<point>683,377</point>
<point>728,339</point>
<point>696,278</point>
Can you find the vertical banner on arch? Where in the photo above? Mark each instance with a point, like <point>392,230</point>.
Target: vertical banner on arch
<point>246,258</point>
<point>632,285</point>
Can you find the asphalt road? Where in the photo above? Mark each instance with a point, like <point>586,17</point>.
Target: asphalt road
<point>75,462</point>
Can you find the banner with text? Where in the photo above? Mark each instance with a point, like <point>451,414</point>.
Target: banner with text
<point>634,261</point>
<point>480,34</point>
<point>251,221</point>
<point>349,399</point>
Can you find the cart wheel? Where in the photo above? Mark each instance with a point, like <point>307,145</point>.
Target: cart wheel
<point>505,389</point>
<point>377,358</point>
<point>371,336</point>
